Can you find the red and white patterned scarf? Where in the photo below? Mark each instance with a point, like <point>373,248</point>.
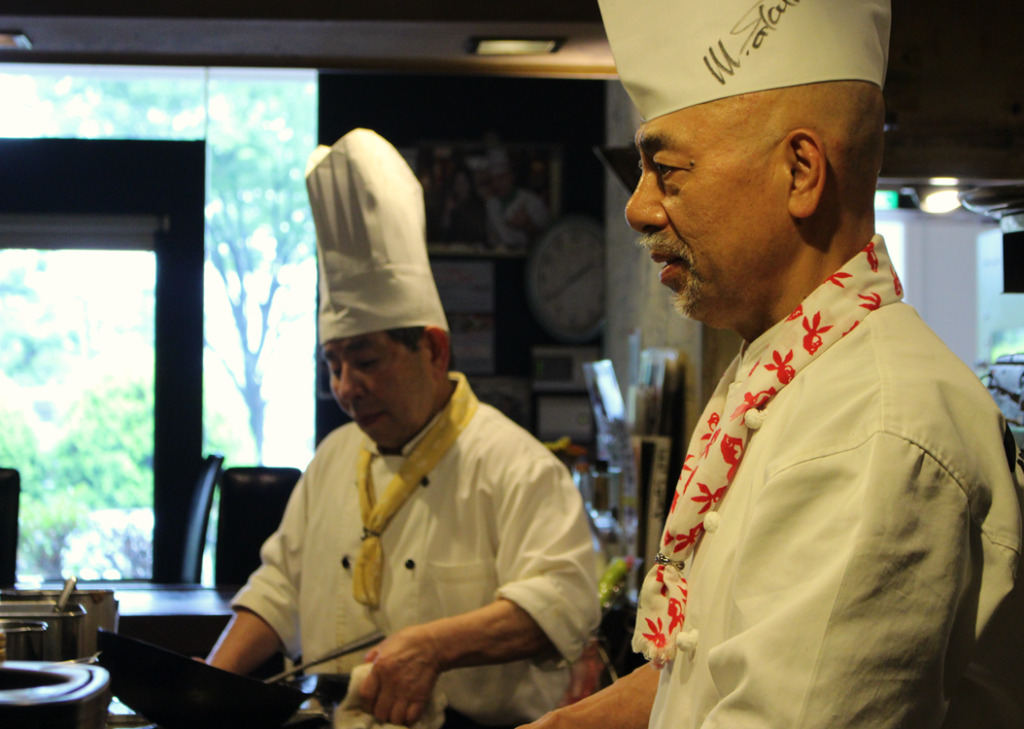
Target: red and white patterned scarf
<point>833,310</point>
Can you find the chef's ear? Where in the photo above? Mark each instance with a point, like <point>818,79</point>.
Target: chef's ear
<point>808,170</point>
<point>438,345</point>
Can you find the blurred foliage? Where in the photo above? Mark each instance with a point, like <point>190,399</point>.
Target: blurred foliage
<point>32,349</point>
<point>260,133</point>
<point>113,546</point>
<point>108,445</point>
<point>47,519</point>
<point>168,105</point>
<point>19,448</point>
<point>258,220</point>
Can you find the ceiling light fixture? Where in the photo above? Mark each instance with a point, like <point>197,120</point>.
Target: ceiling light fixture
<point>513,46</point>
<point>944,181</point>
<point>941,201</point>
<point>14,40</point>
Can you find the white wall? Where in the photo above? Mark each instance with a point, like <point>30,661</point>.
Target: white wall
<point>941,276</point>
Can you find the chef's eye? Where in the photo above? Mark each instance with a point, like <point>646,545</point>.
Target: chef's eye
<point>663,169</point>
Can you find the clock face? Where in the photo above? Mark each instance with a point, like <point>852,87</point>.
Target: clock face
<point>565,280</point>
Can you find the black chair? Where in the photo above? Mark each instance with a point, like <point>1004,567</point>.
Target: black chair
<point>252,502</point>
<point>199,519</point>
<point>10,490</point>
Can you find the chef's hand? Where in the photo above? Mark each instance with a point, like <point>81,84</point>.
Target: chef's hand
<point>626,704</point>
<point>405,668</point>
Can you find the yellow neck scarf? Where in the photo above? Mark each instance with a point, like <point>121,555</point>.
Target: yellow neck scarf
<point>369,569</point>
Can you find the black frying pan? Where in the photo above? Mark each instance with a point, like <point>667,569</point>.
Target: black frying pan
<point>178,692</point>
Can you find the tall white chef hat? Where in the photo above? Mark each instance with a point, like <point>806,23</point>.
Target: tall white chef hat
<point>371,239</point>
<point>672,54</point>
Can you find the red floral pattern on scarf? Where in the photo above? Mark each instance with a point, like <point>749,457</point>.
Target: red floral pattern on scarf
<point>833,310</point>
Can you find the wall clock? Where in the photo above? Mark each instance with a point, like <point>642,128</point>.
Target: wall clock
<point>565,279</point>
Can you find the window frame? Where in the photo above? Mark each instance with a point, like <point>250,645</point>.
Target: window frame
<point>165,179</point>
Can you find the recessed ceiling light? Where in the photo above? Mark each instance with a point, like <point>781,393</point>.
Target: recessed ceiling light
<point>513,46</point>
<point>14,39</point>
<point>944,181</point>
<point>941,201</point>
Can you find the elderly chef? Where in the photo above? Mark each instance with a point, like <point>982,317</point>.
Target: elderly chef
<point>846,523</point>
<point>432,517</point>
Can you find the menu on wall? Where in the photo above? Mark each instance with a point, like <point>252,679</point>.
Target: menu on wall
<point>466,289</point>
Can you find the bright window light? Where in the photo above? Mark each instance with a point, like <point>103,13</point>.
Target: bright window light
<point>941,202</point>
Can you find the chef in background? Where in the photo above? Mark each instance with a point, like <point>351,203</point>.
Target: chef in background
<point>432,517</point>
<point>844,540</point>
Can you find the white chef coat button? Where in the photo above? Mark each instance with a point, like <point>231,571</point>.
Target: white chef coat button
<point>409,564</point>
<point>686,643</point>
<point>753,418</point>
<point>425,482</point>
<point>345,562</point>
<point>711,521</point>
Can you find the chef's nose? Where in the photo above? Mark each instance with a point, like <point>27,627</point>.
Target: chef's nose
<point>347,386</point>
<point>644,211</point>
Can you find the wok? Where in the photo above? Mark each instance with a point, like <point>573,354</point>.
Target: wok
<point>178,692</point>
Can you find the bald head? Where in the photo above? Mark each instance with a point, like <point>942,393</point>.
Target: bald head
<point>848,116</point>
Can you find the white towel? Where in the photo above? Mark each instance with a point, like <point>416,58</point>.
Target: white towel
<point>350,715</point>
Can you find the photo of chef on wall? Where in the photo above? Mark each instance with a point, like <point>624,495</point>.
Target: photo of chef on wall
<point>487,197</point>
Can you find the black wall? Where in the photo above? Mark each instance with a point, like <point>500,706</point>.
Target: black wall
<point>407,110</point>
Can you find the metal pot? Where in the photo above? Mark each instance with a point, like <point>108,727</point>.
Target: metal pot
<point>178,692</point>
<point>100,609</point>
<point>24,639</point>
<point>53,696</point>
<point>65,631</point>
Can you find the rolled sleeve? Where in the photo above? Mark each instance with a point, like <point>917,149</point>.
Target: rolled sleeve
<point>272,591</point>
<point>545,561</point>
<point>553,611</point>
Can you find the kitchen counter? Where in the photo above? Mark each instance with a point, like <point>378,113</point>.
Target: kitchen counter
<point>182,618</point>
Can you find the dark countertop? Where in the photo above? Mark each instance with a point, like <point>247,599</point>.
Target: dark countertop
<point>182,618</point>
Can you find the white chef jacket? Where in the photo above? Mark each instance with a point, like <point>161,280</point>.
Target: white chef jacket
<point>497,517</point>
<point>871,530</point>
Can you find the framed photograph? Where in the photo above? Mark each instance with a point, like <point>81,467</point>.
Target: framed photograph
<point>488,199</point>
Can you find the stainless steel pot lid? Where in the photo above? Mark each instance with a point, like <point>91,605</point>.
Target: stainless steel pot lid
<point>29,683</point>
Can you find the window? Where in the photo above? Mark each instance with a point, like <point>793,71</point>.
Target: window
<point>1000,316</point>
<point>76,392</point>
<point>261,269</point>
<point>260,279</point>
<point>937,258</point>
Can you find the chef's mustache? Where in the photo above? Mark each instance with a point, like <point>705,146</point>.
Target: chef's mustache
<point>666,245</point>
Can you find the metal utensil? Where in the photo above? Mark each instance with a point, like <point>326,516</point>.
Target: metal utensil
<point>94,658</point>
<point>358,644</point>
<point>65,594</point>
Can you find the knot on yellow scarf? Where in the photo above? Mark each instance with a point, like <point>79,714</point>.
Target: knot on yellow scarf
<point>369,568</point>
